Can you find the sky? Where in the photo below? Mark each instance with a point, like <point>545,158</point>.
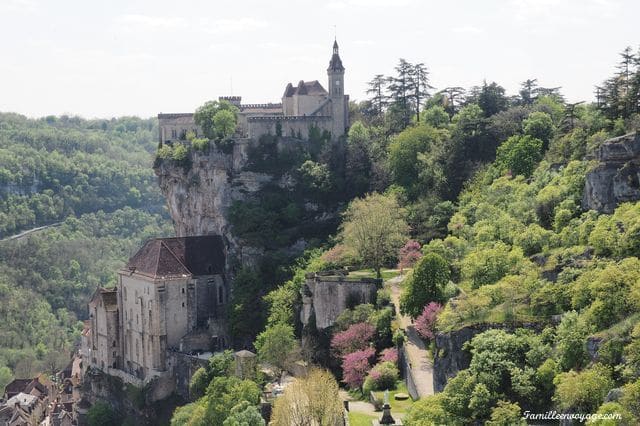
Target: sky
<point>100,59</point>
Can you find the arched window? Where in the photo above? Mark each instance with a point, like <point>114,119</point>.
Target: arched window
<point>220,295</point>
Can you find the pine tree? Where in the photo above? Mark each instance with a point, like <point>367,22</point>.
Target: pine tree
<point>377,88</point>
<point>420,84</point>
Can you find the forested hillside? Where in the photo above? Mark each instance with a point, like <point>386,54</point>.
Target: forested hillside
<point>96,178</point>
<point>56,167</point>
<point>491,187</point>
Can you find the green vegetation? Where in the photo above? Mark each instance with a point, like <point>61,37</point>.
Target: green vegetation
<point>92,176</point>
<point>56,167</point>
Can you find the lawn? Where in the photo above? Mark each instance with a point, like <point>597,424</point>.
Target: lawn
<point>360,419</point>
<point>400,407</point>
<point>387,274</point>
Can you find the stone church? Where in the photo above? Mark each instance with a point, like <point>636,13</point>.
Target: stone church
<point>303,106</point>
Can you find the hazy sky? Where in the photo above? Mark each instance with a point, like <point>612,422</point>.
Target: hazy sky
<point>140,57</point>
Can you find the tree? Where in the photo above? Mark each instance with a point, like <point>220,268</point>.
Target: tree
<point>539,125</point>
<point>225,393</point>
<point>244,414</point>
<point>373,228</point>
<point>409,254</point>
<point>189,414</point>
<point>527,91</point>
<point>425,284</point>
<point>376,89</point>
<point>420,83</point>
<point>401,92</point>
<point>519,155</point>
<point>571,347</point>
<point>583,392</point>
<point>223,126</point>
<point>490,97</point>
<point>453,99</point>
<point>101,414</point>
<point>355,338</point>
<point>355,367</point>
<point>276,345</point>
<point>426,322</point>
<point>5,376</point>
<point>311,400</point>
<point>506,413</point>
<point>416,159</point>
<point>428,411</point>
<point>225,123</point>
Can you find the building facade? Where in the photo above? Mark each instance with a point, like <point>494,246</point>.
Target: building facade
<point>170,298</point>
<point>303,107</point>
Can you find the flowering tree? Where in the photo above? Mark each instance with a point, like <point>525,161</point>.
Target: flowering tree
<point>426,322</point>
<point>409,255</point>
<point>355,338</point>
<point>355,367</point>
<point>389,355</point>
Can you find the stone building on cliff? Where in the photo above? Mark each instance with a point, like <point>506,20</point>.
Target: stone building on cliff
<point>303,107</point>
<point>169,301</point>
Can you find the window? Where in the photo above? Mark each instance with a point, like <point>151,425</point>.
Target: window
<point>220,295</point>
<point>125,293</point>
<point>183,304</point>
<point>137,319</point>
<point>174,134</point>
<point>149,318</point>
<point>182,290</point>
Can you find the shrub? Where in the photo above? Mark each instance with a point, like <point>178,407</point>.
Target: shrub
<point>356,337</point>
<point>426,322</point>
<point>381,377</point>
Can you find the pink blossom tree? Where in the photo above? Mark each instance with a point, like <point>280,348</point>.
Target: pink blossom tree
<point>355,338</point>
<point>356,366</point>
<point>426,321</point>
<point>389,355</point>
<point>409,255</point>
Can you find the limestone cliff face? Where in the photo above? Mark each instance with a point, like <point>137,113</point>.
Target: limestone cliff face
<point>616,178</point>
<point>199,196</point>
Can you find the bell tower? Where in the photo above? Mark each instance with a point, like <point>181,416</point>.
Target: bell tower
<point>339,101</point>
<point>335,73</point>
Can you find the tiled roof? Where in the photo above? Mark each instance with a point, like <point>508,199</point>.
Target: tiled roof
<point>181,256</point>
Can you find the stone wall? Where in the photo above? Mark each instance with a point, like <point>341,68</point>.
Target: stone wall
<point>616,178</point>
<point>324,298</point>
<point>296,126</point>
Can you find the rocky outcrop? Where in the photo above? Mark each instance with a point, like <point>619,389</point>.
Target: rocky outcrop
<point>199,196</point>
<point>616,178</point>
<point>449,356</point>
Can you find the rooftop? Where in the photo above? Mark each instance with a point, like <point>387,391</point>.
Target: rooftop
<point>180,256</point>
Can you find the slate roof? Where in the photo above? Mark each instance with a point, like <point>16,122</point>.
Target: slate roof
<point>181,256</point>
<point>336,63</point>
<point>305,88</point>
<point>16,386</point>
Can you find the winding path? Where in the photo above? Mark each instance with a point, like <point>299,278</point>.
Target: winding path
<point>29,231</point>
<point>416,351</point>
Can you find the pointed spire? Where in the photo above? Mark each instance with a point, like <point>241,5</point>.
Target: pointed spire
<point>336,63</point>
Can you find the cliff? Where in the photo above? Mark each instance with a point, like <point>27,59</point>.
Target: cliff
<point>199,196</point>
<point>616,178</point>
<point>253,194</point>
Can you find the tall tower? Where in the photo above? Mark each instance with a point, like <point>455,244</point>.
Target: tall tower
<point>339,101</point>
